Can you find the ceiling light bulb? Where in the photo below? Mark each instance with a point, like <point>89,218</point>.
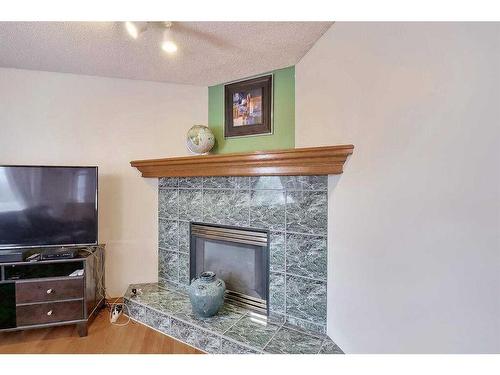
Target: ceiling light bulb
<point>134,29</point>
<point>168,45</point>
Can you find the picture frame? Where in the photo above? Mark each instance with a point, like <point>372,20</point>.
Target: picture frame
<point>248,107</point>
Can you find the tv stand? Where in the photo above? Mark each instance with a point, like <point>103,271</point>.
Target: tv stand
<point>43,294</point>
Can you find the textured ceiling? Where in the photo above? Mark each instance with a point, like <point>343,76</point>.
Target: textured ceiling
<point>209,52</point>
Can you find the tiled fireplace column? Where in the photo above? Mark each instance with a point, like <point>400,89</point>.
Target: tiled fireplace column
<point>293,208</point>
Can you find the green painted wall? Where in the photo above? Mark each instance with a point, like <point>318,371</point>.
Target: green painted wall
<point>284,118</point>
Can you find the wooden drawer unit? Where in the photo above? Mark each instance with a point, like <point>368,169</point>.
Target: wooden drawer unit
<point>50,312</point>
<point>41,293</point>
<point>49,290</point>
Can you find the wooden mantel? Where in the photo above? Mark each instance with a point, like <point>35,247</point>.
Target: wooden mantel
<point>292,162</point>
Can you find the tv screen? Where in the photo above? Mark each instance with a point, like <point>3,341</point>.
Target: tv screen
<point>47,206</point>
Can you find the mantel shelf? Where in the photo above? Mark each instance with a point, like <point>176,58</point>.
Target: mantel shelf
<point>292,162</point>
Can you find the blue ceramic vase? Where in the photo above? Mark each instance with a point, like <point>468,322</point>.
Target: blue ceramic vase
<point>207,294</point>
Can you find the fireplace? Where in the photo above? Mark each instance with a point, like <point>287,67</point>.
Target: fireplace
<point>294,209</point>
<point>239,256</point>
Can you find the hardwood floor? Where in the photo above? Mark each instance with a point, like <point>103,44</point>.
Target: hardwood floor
<point>103,337</point>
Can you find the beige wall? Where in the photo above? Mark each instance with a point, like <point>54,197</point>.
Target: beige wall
<point>52,118</point>
<point>414,247</point>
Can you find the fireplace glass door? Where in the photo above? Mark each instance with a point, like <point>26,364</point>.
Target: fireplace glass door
<point>238,256</point>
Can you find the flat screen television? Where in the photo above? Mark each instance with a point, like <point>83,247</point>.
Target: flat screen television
<point>44,206</point>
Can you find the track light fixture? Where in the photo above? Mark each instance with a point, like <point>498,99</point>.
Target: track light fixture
<point>135,29</point>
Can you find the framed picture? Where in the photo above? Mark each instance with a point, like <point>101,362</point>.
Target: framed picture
<point>248,107</point>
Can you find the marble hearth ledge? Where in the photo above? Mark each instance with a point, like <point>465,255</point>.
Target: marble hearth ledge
<point>233,331</point>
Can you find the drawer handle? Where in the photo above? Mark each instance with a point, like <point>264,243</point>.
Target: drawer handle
<point>49,313</point>
<point>50,291</point>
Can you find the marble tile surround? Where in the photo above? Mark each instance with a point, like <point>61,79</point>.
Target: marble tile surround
<point>293,208</point>
<point>233,331</point>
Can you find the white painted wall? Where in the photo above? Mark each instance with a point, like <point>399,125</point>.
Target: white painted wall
<point>414,256</point>
<point>54,119</point>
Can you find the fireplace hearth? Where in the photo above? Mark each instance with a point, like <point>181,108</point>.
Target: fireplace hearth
<point>233,330</point>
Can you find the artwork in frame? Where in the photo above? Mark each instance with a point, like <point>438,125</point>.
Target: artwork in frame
<point>248,107</point>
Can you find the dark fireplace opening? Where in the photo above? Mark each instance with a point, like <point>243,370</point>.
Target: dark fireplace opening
<point>239,256</point>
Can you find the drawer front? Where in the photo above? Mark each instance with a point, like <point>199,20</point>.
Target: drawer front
<point>50,290</point>
<point>51,312</point>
